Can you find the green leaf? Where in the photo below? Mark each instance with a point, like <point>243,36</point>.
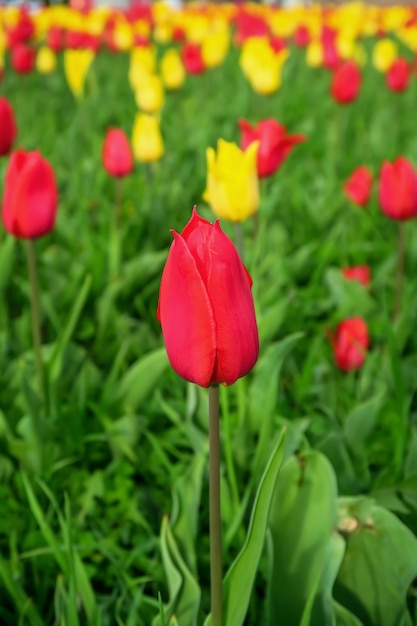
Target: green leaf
<point>303,515</point>
<point>24,605</point>
<point>361,421</point>
<point>238,583</point>
<point>380,564</point>
<point>141,378</point>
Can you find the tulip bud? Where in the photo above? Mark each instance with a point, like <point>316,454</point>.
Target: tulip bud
<point>192,58</point>
<point>360,273</point>
<point>172,69</point>
<point>346,82</point>
<point>30,196</point>
<point>398,75</point>
<point>350,343</point>
<point>117,154</point>
<point>22,58</point>
<point>274,144</point>
<point>358,187</point>
<point>8,130</point>
<point>45,60</point>
<point>76,66</point>
<point>398,189</point>
<point>206,307</point>
<point>147,142</point>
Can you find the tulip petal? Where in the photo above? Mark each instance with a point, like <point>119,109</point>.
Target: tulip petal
<point>186,316</point>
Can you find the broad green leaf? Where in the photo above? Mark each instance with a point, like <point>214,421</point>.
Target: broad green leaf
<point>410,467</point>
<point>303,515</point>
<point>361,421</point>
<point>7,257</point>
<point>184,592</point>
<point>238,583</point>
<point>141,378</point>
<point>379,565</point>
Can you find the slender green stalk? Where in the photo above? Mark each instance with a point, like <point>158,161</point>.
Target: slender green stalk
<point>118,198</point>
<point>239,240</point>
<point>34,303</point>
<point>215,515</point>
<point>400,270</point>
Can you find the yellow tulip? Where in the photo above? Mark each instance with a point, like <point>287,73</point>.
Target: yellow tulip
<point>384,54</point>
<point>123,36</point>
<point>172,69</point>
<point>142,64</point>
<point>45,60</point>
<point>314,53</point>
<point>76,66</point>
<point>215,47</point>
<point>147,142</point>
<point>149,95</point>
<point>232,181</point>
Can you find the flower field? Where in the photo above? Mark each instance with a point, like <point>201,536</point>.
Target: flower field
<point>296,129</point>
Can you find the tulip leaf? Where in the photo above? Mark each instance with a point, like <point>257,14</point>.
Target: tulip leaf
<point>7,256</point>
<point>141,378</point>
<point>238,583</point>
<point>184,592</point>
<point>379,565</point>
<point>303,515</point>
<point>361,421</point>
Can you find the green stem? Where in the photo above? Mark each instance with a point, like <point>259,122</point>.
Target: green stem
<point>227,446</point>
<point>118,198</point>
<point>400,270</point>
<point>239,239</point>
<point>34,303</point>
<point>215,515</point>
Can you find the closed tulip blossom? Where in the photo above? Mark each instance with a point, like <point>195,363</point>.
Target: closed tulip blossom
<point>172,69</point>
<point>346,82</point>
<point>350,343</point>
<point>360,273</point>
<point>398,189</point>
<point>398,75</point>
<point>22,58</point>
<point>8,129</point>
<point>358,187</point>
<point>117,156</point>
<point>192,58</point>
<point>274,144</point>
<point>30,196</point>
<point>232,181</point>
<point>147,142</point>
<point>206,307</point>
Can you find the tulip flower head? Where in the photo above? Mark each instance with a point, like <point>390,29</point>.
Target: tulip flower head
<point>45,60</point>
<point>30,196</point>
<point>206,307</point>
<point>346,82</point>
<point>274,144</point>
<point>384,54</point>
<point>398,75</point>
<point>350,343</point>
<point>192,58</point>
<point>358,187</point>
<point>172,69</point>
<point>149,94</point>
<point>398,189</point>
<point>232,181</point>
<point>147,142</point>
<point>117,153</point>
<point>8,129</point>
<point>360,273</point>
<point>23,58</point>
<point>76,65</point>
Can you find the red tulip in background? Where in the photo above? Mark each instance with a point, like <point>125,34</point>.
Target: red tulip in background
<point>274,144</point>
<point>346,82</point>
<point>398,189</point>
<point>117,153</point>
<point>358,187</point>
<point>30,196</point>
<point>192,59</point>
<point>350,343</point>
<point>22,58</point>
<point>398,75</point>
<point>206,307</point>
<point>302,36</point>
<point>8,129</point>
<point>361,273</point>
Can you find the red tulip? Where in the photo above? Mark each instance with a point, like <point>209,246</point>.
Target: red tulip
<point>398,75</point>
<point>23,58</point>
<point>30,196</point>
<point>358,187</point>
<point>346,82</point>
<point>22,31</point>
<point>398,189</point>
<point>302,36</point>
<point>331,58</point>
<point>361,273</point>
<point>206,308</point>
<point>55,38</point>
<point>117,153</point>
<point>192,58</point>
<point>274,144</point>
<point>8,129</point>
<point>350,343</point>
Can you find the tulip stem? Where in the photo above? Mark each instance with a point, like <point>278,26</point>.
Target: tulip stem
<point>34,303</point>
<point>215,515</point>
<point>118,198</point>
<point>239,240</point>
<point>400,270</point>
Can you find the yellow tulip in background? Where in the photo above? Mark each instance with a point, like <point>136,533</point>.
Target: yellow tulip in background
<point>384,54</point>
<point>215,46</point>
<point>76,66</point>
<point>149,94</point>
<point>232,181</point>
<point>172,69</point>
<point>314,54</point>
<point>142,63</point>
<point>147,142</point>
<point>262,66</point>
<point>45,60</point>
